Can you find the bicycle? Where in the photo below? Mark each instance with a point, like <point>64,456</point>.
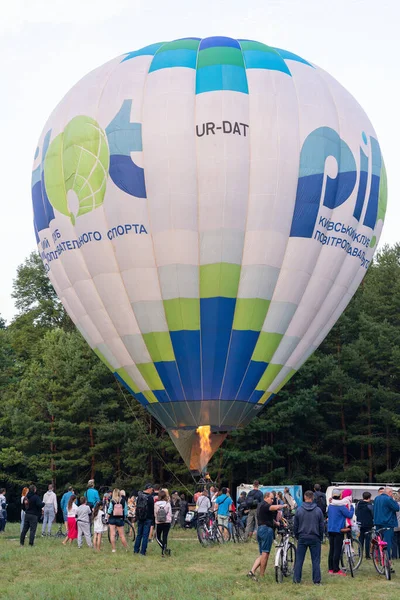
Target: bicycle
<point>129,531</point>
<point>285,553</point>
<point>208,530</point>
<point>237,529</point>
<point>346,556</point>
<point>351,549</point>
<point>379,552</point>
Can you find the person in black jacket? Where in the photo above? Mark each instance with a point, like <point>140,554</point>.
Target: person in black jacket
<point>309,531</point>
<point>320,498</point>
<point>365,517</point>
<point>32,506</point>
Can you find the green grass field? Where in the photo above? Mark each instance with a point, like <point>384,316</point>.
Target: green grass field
<point>50,571</point>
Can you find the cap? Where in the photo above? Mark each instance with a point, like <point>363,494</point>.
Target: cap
<point>336,492</point>
<point>148,486</point>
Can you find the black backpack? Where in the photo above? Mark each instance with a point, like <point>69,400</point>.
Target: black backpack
<point>251,500</point>
<point>141,506</point>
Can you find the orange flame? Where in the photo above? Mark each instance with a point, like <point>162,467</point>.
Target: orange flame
<point>204,432</point>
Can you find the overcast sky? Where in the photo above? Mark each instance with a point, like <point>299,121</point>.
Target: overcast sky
<point>47,45</point>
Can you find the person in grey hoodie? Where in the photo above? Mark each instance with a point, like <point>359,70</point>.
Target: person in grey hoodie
<point>83,521</point>
<point>309,531</point>
<point>49,511</point>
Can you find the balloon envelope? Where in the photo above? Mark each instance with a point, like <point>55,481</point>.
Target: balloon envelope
<point>205,210</point>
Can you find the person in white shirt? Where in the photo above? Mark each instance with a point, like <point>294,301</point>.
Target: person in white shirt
<point>99,525</point>
<point>203,504</point>
<point>49,511</point>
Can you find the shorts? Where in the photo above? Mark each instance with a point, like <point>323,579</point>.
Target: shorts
<point>265,535</point>
<point>117,521</point>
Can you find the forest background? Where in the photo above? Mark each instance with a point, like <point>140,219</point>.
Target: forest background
<point>65,419</point>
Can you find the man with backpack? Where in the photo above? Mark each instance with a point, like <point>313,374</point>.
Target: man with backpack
<point>144,518</point>
<point>32,505</point>
<point>253,500</point>
<point>320,498</point>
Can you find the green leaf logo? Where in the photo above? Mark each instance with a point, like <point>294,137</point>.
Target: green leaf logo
<point>76,168</point>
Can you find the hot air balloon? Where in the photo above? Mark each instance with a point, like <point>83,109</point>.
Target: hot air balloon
<point>205,210</point>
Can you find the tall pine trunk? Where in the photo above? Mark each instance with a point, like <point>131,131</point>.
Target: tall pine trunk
<point>52,452</point>
<point>93,462</point>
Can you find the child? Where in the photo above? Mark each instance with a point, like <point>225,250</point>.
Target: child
<point>345,500</point>
<point>83,521</point>
<point>99,527</point>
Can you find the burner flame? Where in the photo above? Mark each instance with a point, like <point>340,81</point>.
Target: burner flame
<point>204,432</point>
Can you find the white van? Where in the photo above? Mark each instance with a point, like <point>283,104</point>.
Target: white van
<point>359,488</point>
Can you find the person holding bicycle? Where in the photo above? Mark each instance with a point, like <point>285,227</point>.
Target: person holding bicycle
<point>265,533</point>
<point>385,509</point>
<point>337,515</point>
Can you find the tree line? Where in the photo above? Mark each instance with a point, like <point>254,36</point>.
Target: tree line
<point>65,419</point>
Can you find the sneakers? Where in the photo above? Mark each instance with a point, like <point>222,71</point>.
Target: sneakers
<point>167,552</point>
<point>43,534</point>
<point>330,571</point>
<point>342,573</point>
<point>252,576</point>
<point>113,550</point>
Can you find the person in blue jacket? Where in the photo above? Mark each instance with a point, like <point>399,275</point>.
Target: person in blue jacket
<point>64,505</point>
<point>92,495</point>
<point>337,516</point>
<point>385,509</point>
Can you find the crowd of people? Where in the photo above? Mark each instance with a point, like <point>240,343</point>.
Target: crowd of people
<point>315,516</point>
<point>154,510</point>
<point>89,516</point>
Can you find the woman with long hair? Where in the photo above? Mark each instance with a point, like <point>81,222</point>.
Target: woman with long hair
<point>72,509</point>
<point>163,518</point>
<point>118,511</point>
<point>24,492</point>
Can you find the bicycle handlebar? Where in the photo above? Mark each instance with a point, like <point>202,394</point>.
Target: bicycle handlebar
<point>375,530</point>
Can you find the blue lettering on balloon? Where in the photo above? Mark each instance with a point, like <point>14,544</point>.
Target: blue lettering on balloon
<point>125,137</point>
<point>372,206</point>
<point>318,145</point>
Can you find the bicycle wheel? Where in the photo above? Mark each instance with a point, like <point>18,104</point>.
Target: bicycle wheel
<point>224,534</point>
<point>386,564</point>
<point>350,560</point>
<point>279,568</point>
<point>377,560</point>
<point>290,559</point>
<point>129,530</point>
<point>356,552</point>
<point>203,535</point>
<point>238,534</point>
